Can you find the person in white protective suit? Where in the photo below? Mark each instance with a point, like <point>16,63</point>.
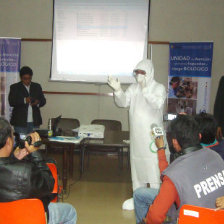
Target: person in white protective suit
<point>145,100</point>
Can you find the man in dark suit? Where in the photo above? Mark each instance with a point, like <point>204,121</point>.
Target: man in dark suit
<point>219,109</point>
<point>26,98</point>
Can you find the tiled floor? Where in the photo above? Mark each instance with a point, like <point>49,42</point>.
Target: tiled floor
<point>99,194</point>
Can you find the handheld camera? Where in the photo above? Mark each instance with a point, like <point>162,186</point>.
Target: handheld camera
<point>19,142</point>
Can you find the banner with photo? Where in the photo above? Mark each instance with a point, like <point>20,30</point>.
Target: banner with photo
<point>189,83</point>
<point>10,49</point>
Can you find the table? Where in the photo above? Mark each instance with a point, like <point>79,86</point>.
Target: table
<point>68,149</point>
<point>113,139</point>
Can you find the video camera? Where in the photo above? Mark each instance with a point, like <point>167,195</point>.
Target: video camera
<point>20,142</point>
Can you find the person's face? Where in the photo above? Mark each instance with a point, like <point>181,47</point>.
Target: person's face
<point>26,79</point>
<point>175,85</point>
<point>140,78</point>
<point>139,75</point>
<point>13,139</point>
<point>176,145</point>
<point>9,144</point>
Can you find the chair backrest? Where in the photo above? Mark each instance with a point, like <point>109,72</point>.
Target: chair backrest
<point>65,126</point>
<point>110,125</point>
<point>54,172</point>
<point>22,211</point>
<point>57,189</point>
<point>199,215</point>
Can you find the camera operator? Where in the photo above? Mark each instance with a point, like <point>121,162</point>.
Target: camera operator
<point>24,174</point>
<point>194,178</point>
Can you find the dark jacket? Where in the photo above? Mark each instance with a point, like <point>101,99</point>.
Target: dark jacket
<point>219,104</point>
<point>17,94</point>
<point>219,148</point>
<point>27,178</point>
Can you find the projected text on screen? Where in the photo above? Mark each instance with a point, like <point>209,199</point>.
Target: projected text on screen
<point>94,39</point>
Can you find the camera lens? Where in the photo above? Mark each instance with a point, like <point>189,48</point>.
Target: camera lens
<point>29,139</point>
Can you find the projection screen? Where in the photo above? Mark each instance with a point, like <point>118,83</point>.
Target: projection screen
<point>96,38</point>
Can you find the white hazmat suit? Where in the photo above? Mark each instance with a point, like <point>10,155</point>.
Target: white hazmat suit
<point>145,100</point>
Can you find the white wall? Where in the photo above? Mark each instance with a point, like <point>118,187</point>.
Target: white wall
<point>170,20</point>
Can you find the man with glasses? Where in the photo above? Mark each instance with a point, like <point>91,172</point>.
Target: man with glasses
<point>145,100</point>
<point>26,98</point>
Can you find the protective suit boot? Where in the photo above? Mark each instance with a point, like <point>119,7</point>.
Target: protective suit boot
<point>128,204</point>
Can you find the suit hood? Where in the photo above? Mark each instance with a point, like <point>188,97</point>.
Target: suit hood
<point>147,66</point>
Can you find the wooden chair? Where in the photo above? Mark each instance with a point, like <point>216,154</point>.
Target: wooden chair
<point>110,125</point>
<point>191,214</point>
<point>22,211</point>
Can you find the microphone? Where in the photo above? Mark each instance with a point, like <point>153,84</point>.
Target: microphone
<point>156,133</point>
<point>156,130</point>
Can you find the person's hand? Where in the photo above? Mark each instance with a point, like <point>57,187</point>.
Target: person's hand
<point>143,83</point>
<point>35,138</point>
<point>35,102</point>
<point>219,203</point>
<point>219,133</point>
<point>159,141</point>
<point>20,153</point>
<point>28,100</point>
<point>141,79</point>
<point>144,220</point>
<point>114,83</point>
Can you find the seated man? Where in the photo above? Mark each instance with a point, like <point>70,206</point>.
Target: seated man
<point>143,198</point>
<point>195,177</point>
<point>24,174</point>
<point>208,129</point>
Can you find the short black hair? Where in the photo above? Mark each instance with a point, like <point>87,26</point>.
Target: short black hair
<point>174,79</point>
<point>25,70</point>
<point>185,129</point>
<point>207,127</point>
<point>5,131</point>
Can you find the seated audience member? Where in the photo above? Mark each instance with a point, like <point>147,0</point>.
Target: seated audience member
<point>24,174</point>
<point>143,198</point>
<point>220,203</point>
<point>208,128</point>
<point>185,180</point>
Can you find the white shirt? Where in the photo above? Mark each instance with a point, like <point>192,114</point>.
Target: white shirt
<point>30,110</point>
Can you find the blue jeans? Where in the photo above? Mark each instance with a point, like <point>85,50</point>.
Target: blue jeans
<point>25,130</point>
<point>143,198</point>
<point>61,213</point>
